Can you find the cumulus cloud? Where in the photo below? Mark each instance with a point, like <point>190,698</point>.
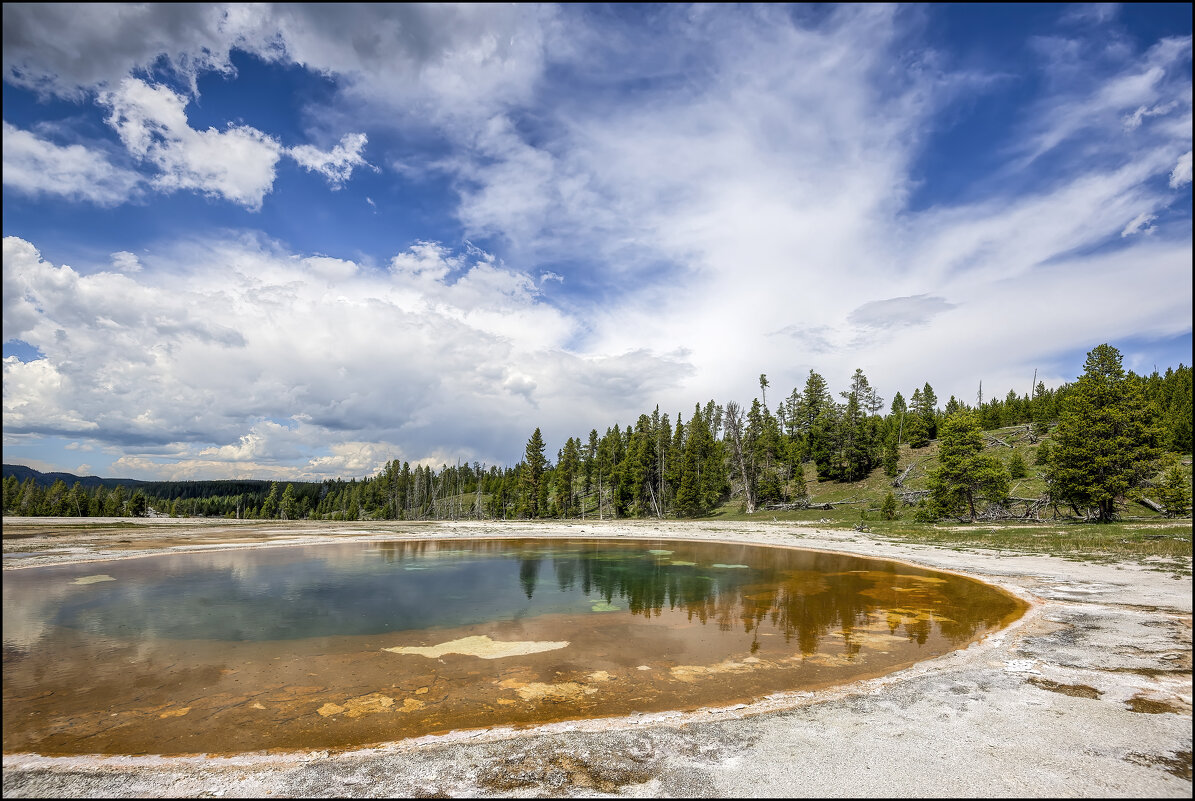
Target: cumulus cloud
<point>188,369</point>
<point>125,262</point>
<point>431,59</point>
<point>236,164</point>
<point>65,49</point>
<point>337,164</point>
<point>745,191</point>
<point>36,166</point>
<point>425,60</point>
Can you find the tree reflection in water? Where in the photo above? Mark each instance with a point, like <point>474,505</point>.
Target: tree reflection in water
<point>803,595</point>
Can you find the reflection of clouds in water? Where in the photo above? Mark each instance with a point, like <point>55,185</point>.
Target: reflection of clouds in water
<point>294,593</point>
<point>364,588</point>
<point>29,603</point>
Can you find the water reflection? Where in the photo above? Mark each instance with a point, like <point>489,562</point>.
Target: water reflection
<point>261,648</point>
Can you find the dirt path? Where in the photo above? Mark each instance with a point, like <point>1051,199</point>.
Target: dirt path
<point>1088,695</point>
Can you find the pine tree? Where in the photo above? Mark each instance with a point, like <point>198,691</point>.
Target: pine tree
<point>115,502</point>
<point>566,472</point>
<point>1016,466</point>
<point>798,488</point>
<point>965,474</point>
<point>897,417</point>
<point>916,434</point>
<point>534,463</point>
<point>1044,452</point>
<point>1103,444</point>
<point>138,504</point>
<point>1175,491</point>
<point>269,508</point>
<point>888,508</point>
<point>929,410</point>
<point>289,507</point>
<point>1042,408</point>
<point>688,491</point>
<point>825,441</point>
<point>891,457</point>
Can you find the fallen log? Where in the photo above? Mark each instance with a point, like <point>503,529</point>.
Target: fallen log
<point>899,480</point>
<point>1151,504</point>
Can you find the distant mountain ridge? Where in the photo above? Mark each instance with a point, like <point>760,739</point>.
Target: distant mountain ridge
<point>190,488</point>
<point>24,473</point>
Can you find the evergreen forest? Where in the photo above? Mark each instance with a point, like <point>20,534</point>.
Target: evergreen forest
<point>1088,450</point>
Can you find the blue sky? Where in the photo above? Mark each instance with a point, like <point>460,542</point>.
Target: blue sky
<point>297,241</point>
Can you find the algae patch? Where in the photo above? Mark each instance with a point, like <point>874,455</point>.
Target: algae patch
<point>540,691</point>
<point>690,673</point>
<point>361,705</point>
<point>480,646</point>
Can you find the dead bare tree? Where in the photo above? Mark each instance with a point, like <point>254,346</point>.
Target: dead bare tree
<point>733,422</point>
<point>1151,504</point>
<point>899,481</point>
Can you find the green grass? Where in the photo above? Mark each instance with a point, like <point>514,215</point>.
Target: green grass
<point>1141,535</point>
<point>1169,540</point>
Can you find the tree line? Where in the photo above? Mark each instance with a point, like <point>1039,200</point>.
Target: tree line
<point>1108,432</point>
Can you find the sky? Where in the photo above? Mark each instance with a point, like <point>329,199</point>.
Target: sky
<point>298,241</point>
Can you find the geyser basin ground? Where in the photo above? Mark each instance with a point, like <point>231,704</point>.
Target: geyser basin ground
<point>322,646</point>
<point>994,719</point>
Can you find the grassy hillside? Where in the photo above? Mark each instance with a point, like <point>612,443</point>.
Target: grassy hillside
<point>1141,533</point>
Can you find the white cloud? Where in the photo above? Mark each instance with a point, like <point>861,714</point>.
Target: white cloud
<point>125,262</point>
<point>1181,174</point>
<point>37,166</point>
<point>66,49</point>
<point>1139,224</point>
<point>1134,120</point>
<point>755,203</point>
<point>747,204</point>
<point>335,165</point>
<point>450,60</point>
<point>899,312</point>
<point>1152,88</point>
<point>438,60</point>
<point>237,163</point>
<point>236,358</point>
<point>331,269</point>
<point>38,395</point>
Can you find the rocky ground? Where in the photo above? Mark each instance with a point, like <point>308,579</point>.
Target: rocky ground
<point>1088,695</point>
